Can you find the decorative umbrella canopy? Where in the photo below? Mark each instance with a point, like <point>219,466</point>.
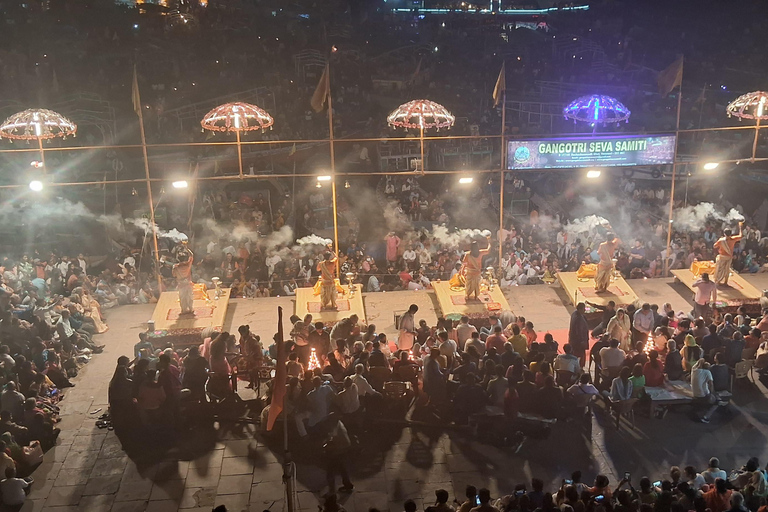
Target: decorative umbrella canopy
<point>421,114</point>
<point>752,105</point>
<point>37,124</point>
<point>597,109</point>
<point>237,117</point>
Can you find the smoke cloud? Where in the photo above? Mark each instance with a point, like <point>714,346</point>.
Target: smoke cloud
<point>695,218</point>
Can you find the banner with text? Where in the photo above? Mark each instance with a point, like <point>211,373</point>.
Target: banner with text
<point>596,151</point>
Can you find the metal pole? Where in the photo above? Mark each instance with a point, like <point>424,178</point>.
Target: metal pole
<point>754,144</point>
<point>674,175</point>
<point>501,174</point>
<point>239,153</point>
<point>333,175</point>
<point>42,154</point>
<point>149,197</point>
<point>421,142</point>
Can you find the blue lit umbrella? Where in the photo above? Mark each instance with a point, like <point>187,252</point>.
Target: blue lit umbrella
<point>597,109</point>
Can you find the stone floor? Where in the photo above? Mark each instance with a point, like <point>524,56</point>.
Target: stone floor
<point>214,464</point>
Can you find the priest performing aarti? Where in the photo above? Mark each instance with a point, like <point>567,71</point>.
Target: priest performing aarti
<point>473,268</point>
<point>327,269</point>
<point>605,266</point>
<point>724,247</point>
<point>182,271</point>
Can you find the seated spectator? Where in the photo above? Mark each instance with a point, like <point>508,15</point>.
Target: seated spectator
<point>567,361</point>
<point>348,399</point>
<point>550,399</point>
<point>18,432</point>
<point>703,388</point>
<point>470,398</point>
<point>621,387</point>
<point>377,357</point>
<point>718,498</point>
<point>519,341</point>
<point>691,353</point>
<point>695,480</point>
<point>713,471</point>
<point>336,370</point>
<point>711,343</point>
<point>496,340</point>
<point>721,375</point>
<point>12,401</point>
<point>13,490</point>
<point>497,387</point>
<point>733,349</point>
<point>612,356</point>
<point>673,363</point>
<point>638,381</point>
<point>653,371</point>
<point>508,356</point>
<point>528,392</point>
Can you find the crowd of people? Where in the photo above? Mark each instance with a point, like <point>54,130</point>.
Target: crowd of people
<point>715,489</point>
<point>50,311</point>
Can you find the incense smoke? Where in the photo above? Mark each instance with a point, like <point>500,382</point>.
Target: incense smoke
<point>695,218</point>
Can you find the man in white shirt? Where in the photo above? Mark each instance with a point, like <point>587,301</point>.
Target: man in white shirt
<point>475,341</point>
<point>706,291</point>
<point>643,322</point>
<point>612,356</point>
<point>703,388</point>
<point>373,284</point>
<point>13,489</point>
<point>348,399</point>
<point>409,256</point>
<point>464,331</point>
<point>364,388</point>
<point>713,471</point>
<point>271,261</point>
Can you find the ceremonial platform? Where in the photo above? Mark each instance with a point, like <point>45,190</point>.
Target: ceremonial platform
<point>347,304</point>
<point>171,326</point>
<point>737,293</point>
<point>454,305</point>
<point>582,289</point>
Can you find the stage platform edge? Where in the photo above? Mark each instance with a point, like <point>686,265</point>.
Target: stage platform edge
<point>308,302</point>
<point>472,309</point>
<point>575,290</point>
<point>734,297</point>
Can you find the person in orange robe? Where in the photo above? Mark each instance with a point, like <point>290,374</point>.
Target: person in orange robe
<point>327,269</point>
<point>606,251</point>
<point>724,247</point>
<point>473,268</point>
<point>182,271</point>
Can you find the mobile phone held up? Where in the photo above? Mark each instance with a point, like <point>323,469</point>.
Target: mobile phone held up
<point>626,476</point>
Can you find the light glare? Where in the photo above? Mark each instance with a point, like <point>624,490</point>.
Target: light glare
<point>711,166</point>
<point>466,181</point>
<point>180,184</point>
<point>323,178</point>
<point>36,185</point>
<point>593,173</point>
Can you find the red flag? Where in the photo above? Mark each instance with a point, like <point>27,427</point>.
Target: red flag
<point>278,384</point>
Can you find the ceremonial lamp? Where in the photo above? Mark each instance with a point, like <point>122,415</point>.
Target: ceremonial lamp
<point>217,287</point>
<point>597,109</point>
<point>490,275</point>
<point>350,276</point>
<point>314,362</point>
<point>421,114</point>
<point>750,106</point>
<point>37,124</point>
<point>237,117</point>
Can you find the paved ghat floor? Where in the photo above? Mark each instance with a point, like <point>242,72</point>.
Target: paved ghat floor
<point>212,465</point>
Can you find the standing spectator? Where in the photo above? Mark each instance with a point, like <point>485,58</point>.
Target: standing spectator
<point>578,333</point>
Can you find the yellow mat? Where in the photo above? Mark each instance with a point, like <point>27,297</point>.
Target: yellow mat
<point>581,290</point>
<point>308,302</point>
<point>211,312</point>
<point>738,292</point>
<point>451,301</point>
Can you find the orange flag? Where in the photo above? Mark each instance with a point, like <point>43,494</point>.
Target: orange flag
<point>671,77</point>
<point>322,91</point>
<point>278,385</point>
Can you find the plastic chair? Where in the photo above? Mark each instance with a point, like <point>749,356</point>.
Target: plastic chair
<point>742,370</point>
<point>624,407</point>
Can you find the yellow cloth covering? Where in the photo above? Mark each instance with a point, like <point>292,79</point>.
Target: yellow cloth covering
<point>703,267</point>
<point>199,292</point>
<point>586,271</point>
<point>319,285</point>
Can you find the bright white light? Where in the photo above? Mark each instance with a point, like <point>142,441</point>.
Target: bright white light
<point>323,178</point>
<point>466,181</point>
<point>180,184</point>
<point>36,185</point>
<point>593,173</point>
<point>711,166</point>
